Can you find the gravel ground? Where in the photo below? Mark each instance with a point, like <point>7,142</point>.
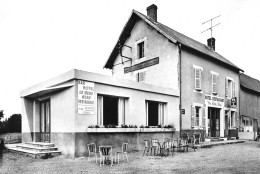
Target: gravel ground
<point>234,158</point>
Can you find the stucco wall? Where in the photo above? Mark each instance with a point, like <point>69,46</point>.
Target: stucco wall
<point>136,113</point>
<point>163,74</point>
<point>250,103</point>
<point>189,95</point>
<point>27,119</point>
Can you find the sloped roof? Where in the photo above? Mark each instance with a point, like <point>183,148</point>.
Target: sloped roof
<point>250,83</point>
<point>169,33</point>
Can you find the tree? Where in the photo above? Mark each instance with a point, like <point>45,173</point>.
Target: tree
<point>1,114</point>
<point>14,123</point>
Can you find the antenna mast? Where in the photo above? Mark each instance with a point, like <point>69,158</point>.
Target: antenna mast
<point>210,28</point>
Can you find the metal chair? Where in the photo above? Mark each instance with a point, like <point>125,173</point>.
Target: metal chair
<point>147,147</point>
<point>123,152</point>
<point>154,145</point>
<point>182,144</point>
<point>106,154</point>
<point>197,137</point>
<point>92,149</point>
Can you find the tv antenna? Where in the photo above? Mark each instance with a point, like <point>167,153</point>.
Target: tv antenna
<point>210,28</point>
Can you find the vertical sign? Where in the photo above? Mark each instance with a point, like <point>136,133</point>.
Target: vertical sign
<point>86,97</point>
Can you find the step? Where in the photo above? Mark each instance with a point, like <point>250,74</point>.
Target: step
<point>36,148</point>
<point>34,153</point>
<point>40,144</point>
<point>216,139</point>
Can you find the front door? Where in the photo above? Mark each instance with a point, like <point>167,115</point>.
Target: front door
<point>45,115</point>
<point>213,117</point>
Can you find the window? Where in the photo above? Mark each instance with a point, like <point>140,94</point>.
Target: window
<point>140,50</point>
<point>111,110</point>
<point>214,77</point>
<point>197,77</point>
<point>141,76</point>
<point>198,116</point>
<point>230,88</point>
<point>155,113</point>
<point>233,119</point>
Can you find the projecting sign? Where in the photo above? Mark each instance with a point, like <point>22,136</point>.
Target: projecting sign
<point>142,65</point>
<point>214,101</point>
<point>234,102</point>
<point>86,97</point>
<point>182,111</point>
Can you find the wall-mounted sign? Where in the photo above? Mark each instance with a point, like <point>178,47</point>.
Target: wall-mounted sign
<point>86,97</point>
<point>214,101</point>
<point>142,65</point>
<point>234,102</point>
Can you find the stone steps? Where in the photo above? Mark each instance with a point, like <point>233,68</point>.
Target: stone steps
<point>36,149</point>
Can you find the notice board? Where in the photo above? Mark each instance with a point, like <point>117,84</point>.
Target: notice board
<point>86,97</point>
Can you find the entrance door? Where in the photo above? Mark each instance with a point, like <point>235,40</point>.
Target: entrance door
<point>213,117</point>
<point>45,115</point>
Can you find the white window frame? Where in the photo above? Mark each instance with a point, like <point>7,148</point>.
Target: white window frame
<point>214,74</point>
<point>122,107</point>
<point>232,89</point>
<point>197,69</point>
<point>202,123</point>
<point>162,114</point>
<point>137,51</point>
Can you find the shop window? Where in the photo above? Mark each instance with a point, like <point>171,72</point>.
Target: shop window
<point>155,113</point>
<point>111,110</point>
<point>140,49</point>
<point>197,116</point>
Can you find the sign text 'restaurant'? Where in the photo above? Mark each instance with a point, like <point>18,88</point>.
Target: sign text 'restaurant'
<point>86,97</point>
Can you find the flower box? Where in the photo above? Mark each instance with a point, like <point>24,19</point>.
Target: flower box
<point>120,130</point>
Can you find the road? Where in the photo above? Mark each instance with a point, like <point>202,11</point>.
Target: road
<point>234,158</point>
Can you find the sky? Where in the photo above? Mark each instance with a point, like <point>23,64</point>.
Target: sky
<point>42,39</point>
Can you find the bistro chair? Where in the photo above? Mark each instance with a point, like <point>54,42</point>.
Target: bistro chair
<point>191,143</point>
<point>106,155</point>
<point>123,152</point>
<point>146,147</point>
<point>154,146</point>
<point>92,150</point>
<point>182,144</point>
<point>197,137</point>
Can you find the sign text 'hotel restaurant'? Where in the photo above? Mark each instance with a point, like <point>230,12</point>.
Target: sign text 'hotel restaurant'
<point>142,65</point>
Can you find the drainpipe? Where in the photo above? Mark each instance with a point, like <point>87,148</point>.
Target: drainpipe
<point>180,104</point>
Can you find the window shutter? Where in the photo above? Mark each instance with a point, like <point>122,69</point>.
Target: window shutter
<point>203,117</point>
<point>214,83</point>
<point>192,116</point>
<point>197,79</point>
<point>141,76</point>
<point>226,87</point>
<point>234,89</point>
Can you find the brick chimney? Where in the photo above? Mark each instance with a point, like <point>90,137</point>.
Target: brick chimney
<point>211,43</point>
<point>152,12</point>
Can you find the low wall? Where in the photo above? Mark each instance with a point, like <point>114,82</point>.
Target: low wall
<point>246,135</point>
<point>115,139</point>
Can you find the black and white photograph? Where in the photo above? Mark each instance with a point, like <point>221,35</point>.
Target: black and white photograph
<point>134,86</point>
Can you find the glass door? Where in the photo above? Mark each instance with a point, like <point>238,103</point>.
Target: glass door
<point>45,121</point>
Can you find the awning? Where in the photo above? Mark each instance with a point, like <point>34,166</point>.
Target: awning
<point>49,90</point>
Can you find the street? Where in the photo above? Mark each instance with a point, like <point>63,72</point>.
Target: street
<point>234,158</point>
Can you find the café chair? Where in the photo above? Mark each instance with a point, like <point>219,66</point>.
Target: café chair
<point>123,152</point>
<point>92,150</point>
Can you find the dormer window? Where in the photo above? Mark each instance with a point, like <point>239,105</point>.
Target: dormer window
<point>140,49</point>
